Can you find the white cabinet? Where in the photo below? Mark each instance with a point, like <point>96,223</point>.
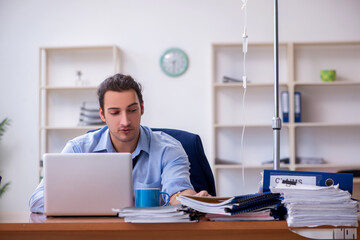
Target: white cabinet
<point>69,76</point>
<point>330,126</point>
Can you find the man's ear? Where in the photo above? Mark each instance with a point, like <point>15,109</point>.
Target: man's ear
<point>142,108</point>
<point>102,114</point>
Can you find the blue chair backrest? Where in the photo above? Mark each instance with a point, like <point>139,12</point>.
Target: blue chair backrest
<point>201,176</point>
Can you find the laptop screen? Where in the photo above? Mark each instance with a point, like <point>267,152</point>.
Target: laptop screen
<point>87,184</point>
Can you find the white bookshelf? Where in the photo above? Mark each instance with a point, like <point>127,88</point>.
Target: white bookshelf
<point>330,126</point>
<point>61,95</point>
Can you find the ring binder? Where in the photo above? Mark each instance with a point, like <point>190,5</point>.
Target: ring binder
<point>285,106</point>
<point>345,180</point>
<point>297,99</point>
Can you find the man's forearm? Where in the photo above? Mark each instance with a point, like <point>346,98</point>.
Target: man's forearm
<point>202,193</point>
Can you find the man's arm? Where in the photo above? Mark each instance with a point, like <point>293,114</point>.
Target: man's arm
<point>202,193</point>
<point>36,202</point>
<point>176,175</point>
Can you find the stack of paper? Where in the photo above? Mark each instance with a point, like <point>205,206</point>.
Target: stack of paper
<point>245,207</point>
<point>264,214</point>
<point>89,114</point>
<point>167,214</point>
<point>311,206</point>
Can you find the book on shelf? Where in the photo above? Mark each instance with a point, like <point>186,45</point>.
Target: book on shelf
<point>282,161</point>
<point>227,79</point>
<point>225,161</point>
<point>299,160</point>
<point>309,160</point>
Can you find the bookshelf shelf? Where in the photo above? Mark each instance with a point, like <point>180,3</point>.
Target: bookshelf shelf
<point>340,83</point>
<point>239,166</point>
<point>67,88</point>
<point>60,128</point>
<point>240,85</point>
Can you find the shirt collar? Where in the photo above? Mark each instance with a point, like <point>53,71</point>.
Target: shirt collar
<point>143,143</point>
<point>105,144</point>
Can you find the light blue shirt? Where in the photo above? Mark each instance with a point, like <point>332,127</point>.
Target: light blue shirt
<point>162,161</point>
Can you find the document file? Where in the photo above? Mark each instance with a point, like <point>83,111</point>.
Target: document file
<point>273,177</point>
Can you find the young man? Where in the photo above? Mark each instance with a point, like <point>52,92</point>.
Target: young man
<point>158,159</point>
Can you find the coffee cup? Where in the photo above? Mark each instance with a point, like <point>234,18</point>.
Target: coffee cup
<point>149,197</point>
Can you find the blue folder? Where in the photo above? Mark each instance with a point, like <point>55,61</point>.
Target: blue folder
<point>297,99</point>
<point>345,180</point>
<point>285,106</point>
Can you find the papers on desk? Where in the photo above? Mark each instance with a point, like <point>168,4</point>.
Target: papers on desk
<point>311,206</point>
<point>245,207</point>
<point>167,214</point>
<point>259,215</point>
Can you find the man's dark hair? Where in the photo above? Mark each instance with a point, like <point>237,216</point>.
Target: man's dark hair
<point>118,83</point>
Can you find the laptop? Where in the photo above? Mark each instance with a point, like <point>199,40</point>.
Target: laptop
<point>87,184</point>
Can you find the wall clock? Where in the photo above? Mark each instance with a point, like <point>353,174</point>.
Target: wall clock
<point>174,62</point>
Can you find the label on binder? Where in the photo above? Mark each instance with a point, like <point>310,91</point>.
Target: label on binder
<point>308,180</point>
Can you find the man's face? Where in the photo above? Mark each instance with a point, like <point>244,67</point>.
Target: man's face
<point>122,113</point>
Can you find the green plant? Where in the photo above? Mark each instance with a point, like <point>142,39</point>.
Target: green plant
<point>3,125</point>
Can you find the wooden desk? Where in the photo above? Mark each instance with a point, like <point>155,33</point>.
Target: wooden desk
<point>37,226</point>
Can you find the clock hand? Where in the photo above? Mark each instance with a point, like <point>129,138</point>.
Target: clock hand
<point>173,65</point>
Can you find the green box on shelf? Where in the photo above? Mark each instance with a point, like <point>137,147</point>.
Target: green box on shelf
<point>328,75</point>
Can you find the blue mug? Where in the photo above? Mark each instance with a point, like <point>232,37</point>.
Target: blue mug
<point>149,197</point>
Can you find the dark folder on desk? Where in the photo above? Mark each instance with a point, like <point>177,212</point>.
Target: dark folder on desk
<point>252,202</point>
<point>272,177</point>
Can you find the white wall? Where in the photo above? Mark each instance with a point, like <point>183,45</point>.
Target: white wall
<point>143,29</point>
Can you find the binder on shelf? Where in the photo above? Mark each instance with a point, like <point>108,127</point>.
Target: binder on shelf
<point>273,177</point>
<point>297,99</point>
<point>285,106</point>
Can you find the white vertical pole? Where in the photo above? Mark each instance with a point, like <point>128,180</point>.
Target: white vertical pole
<point>276,121</point>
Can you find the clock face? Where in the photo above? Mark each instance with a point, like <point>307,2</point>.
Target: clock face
<point>174,62</point>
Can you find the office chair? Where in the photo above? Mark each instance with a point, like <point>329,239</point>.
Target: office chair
<point>201,176</point>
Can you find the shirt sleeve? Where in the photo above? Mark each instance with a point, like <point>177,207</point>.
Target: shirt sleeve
<point>70,148</point>
<point>175,172</point>
<point>36,202</point>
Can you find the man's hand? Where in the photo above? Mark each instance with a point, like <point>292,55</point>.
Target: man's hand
<point>202,193</point>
